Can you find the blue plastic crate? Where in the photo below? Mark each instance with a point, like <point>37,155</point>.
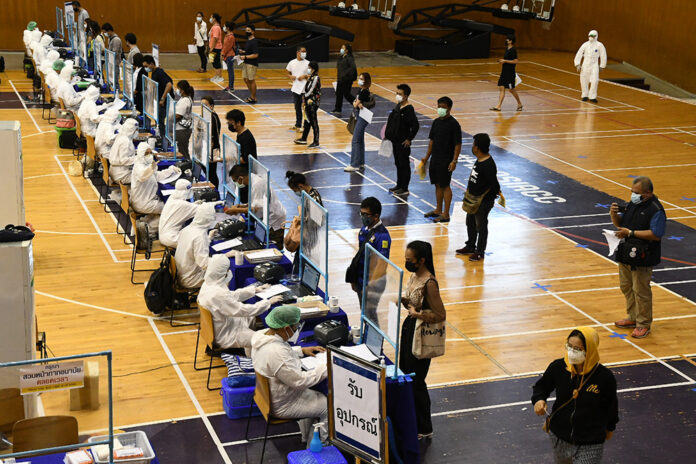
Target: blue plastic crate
<point>236,401</point>
<point>329,455</point>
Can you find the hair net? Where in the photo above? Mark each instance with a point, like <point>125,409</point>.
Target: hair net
<point>218,265</point>
<point>32,25</point>
<point>58,65</point>
<point>283,316</point>
<point>205,215</point>
<point>594,33</point>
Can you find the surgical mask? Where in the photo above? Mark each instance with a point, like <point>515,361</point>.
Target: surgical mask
<point>177,92</point>
<point>231,128</point>
<point>224,28</point>
<point>576,356</point>
<point>239,185</point>
<point>228,278</point>
<point>211,20</point>
<point>411,267</point>
<point>343,51</point>
<point>199,18</point>
<point>636,198</point>
<point>361,82</point>
<point>441,112</point>
<point>298,193</point>
<point>295,336</point>
<point>303,55</point>
<point>592,38</point>
<point>366,220</point>
<point>399,98</point>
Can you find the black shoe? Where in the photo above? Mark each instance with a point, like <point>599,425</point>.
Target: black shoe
<point>400,192</point>
<point>467,250</point>
<point>594,100</point>
<point>336,112</point>
<point>395,188</point>
<point>300,142</point>
<point>476,257</point>
<point>585,99</point>
<point>313,145</point>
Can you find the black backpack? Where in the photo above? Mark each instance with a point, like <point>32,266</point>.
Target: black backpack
<point>159,291</point>
<point>2,64</point>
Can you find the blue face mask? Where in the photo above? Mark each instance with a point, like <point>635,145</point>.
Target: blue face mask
<point>366,220</point>
<point>441,112</point>
<point>636,198</point>
<point>298,193</point>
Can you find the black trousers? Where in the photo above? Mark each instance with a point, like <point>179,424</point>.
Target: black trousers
<point>312,122</point>
<point>408,364</point>
<point>182,142</point>
<point>212,175</point>
<point>343,91</point>
<point>297,100</point>
<point>402,160</point>
<point>477,226</point>
<point>204,59</point>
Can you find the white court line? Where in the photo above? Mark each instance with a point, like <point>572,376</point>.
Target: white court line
<point>583,215</point>
<point>73,233</point>
<point>84,206</point>
<point>38,133</point>
<point>644,167</point>
<point>612,274</point>
<point>250,105</point>
<point>43,175</point>
<point>21,100</point>
<point>523,139</point>
<point>576,226</point>
<point>101,308</point>
<point>191,395</point>
<point>164,334</point>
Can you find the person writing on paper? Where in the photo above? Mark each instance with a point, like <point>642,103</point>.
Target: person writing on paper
<point>228,53</point>
<point>423,302</point>
<point>641,225</point>
<point>589,54</point>
<point>346,73</point>
<point>66,91</point>
<point>298,71</point>
<point>402,127</point>
<point>200,36</point>
<point>89,111</point>
<point>257,202</point>
<point>364,100</point>
<point>131,46</point>
<point>122,154</point>
<point>184,106</point>
<point>106,132</point>
<point>247,143</point>
<point>508,75</point>
<point>275,359</point>
<point>311,96</point>
<point>232,319</point>
<point>586,409</point>
<point>176,211</point>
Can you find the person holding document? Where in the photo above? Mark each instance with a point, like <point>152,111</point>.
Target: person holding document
<point>363,101</point>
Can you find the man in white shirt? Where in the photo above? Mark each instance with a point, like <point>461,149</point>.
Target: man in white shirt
<point>80,23</point>
<point>298,71</point>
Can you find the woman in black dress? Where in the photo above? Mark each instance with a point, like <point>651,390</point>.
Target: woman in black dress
<point>508,75</point>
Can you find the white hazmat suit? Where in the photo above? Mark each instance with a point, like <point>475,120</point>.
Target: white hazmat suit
<point>177,210</point>
<point>192,251</point>
<point>38,47</point>
<point>47,64</point>
<point>232,319</point>
<point>144,180</point>
<point>122,153</point>
<point>89,111</point>
<point>66,91</point>
<point>593,56</point>
<point>291,396</point>
<point>106,132</point>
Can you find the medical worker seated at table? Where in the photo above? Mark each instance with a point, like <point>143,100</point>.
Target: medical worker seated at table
<point>274,358</point>
<point>232,319</point>
<point>122,154</point>
<point>177,210</point>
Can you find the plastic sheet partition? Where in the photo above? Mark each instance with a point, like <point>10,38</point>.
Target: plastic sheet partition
<point>259,194</point>
<point>230,157</point>
<point>314,238</point>
<point>200,144</point>
<point>98,52</point>
<point>381,299</point>
<point>59,22</point>
<point>110,61</point>
<point>170,125</point>
<point>150,93</point>
<point>128,82</point>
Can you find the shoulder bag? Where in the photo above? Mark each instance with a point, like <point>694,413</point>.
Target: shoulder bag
<point>292,238</point>
<point>351,122</point>
<point>429,337</point>
<point>471,203</point>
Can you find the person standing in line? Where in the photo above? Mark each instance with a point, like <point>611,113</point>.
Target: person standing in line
<point>251,62</point>
<point>133,49</point>
<point>402,127</point>
<point>641,225</point>
<point>589,53</point>
<point>422,293</point>
<point>200,36</point>
<point>138,72</point>
<point>366,100</point>
<point>311,96</point>
<point>298,71</point>
<point>508,75</point>
<point>444,147</point>
<point>586,409</point>
<point>164,87</point>
<point>483,181</point>
<point>346,73</point>
<point>116,46</point>
<point>184,120</point>
<point>215,42</point>
<point>215,150</point>
<point>247,144</point>
<point>228,52</point>
<point>81,23</point>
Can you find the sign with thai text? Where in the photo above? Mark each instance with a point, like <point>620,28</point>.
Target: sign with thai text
<point>54,376</point>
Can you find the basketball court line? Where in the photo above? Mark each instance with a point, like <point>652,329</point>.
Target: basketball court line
<point>644,167</point>
<point>591,137</point>
<point>21,100</point>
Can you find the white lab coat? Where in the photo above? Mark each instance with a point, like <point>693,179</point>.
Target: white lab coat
<point>143,193</point>
<point>291,396</point>
<point>47,64</point>
<point>177,210</point>
<point>53,80</point>
<point>122,157</point>
<point>70,97</point>
<point>277,214</point>
<point>105,135</point>
<point>593,56</point>
<point>192,255</point>
<point>89,112</point>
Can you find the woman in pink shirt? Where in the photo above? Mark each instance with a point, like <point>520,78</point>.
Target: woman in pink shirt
<point>215,42</point>
<point>228,52</point>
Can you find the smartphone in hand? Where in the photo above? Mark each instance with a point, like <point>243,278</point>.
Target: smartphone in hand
<point>405,302</point>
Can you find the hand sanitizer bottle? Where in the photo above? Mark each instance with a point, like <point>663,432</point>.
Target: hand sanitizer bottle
<point>315,445</point>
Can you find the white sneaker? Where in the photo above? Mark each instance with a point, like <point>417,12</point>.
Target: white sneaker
<point>350,169</point>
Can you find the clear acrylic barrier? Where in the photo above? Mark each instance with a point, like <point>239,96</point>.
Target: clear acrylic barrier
<point>230,157</point>
<point>128,82</point>
<point>59,23</point>
<point>98,52</point>
<point>259,194</point>
<point>314,238</point>
<point>170,123</point>
<point>200,142</point>
<point>381,299</point>
<point>110,61</point>
<point>150,93</point>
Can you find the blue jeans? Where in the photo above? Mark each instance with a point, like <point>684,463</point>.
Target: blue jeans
<point>357,152</point>
<point>229,61</point>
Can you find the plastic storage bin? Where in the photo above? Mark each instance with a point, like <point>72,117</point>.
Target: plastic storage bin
<point>329,455</point>
<point>236,401</point>
<point>137,439</point>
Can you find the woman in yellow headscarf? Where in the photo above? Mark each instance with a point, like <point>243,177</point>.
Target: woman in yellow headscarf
<point>586,411</point>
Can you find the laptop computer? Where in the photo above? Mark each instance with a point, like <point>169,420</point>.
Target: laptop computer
<point>258,242</point>
<point>308,285</point>
<point>373,340</point>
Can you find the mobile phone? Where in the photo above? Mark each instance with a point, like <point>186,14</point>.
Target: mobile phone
<point>405,301</point>
<point>622,209</point>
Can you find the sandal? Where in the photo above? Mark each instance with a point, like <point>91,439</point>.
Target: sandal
<point>432,213</point>
<point>441,219</point>
<point>519,108</point>
<point>494,109</point>
<point>250,100</point>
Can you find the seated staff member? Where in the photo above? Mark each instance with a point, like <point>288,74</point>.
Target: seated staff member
<point>177,210</point>
<point>275,359</point>
<point>66,91</point>
<point>247,143</point>
<point>106,132</point>
<point>122,154</point>
<point>276,214</point>
<point>89,111</point>
<point>232,319</point>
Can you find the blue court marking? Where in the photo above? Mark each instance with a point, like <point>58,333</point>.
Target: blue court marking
<point>618,335</point>
<point>582,156</point>
<point>632,176</point>
<point>541,287</point>
<point>675,238</point>
<point>688,199</point>
<point>580,245</point>
<point>600,205</point>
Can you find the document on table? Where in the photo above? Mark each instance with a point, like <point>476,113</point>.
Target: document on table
<point>272,291</point>
<point>366,115</point>
<point>174,174</point>
<point>309,312</point>
<point>226,245</point>
<point>361,351</point>
<point>612,240</point>
<point>117,104</point>
<point>263,254</point>
<point>311,362</point>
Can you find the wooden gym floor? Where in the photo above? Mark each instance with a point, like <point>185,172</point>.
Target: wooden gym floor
<point>545,272</point>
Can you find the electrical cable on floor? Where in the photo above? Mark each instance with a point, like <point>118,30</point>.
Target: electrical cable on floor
<point>151,369</point>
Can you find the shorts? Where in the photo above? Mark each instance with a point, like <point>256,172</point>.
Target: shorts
<point>217,64</point>
<point>506,80</point>
<point>249,71</point>
<point>439,174</point>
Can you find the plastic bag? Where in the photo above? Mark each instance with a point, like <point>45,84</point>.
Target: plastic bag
<point>386,149</point>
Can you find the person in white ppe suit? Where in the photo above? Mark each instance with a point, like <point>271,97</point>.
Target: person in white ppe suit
<point>274,358</point>
<point>27,36</point>
<point>66,91</point>
<point>106,132</point>
<point>89,111</point>
<point>232,319</point>
<point>34,39</point>
<point>593,56</point>
<point>53,79</point>
<point>177,210</point>
<point>47,64</point>
<point>192,251</point>
<point>122,154</point>
<point>38,47</point>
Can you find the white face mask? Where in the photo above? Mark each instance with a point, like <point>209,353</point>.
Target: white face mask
<point>224,28</point>
<point>303,55</point>
<point>399,98</point>
<point>636,198</point>
<point>177,92</point>
<point>296,336</point>
<point>239,185</point>
<point>591,38</point>
<point>343,51</point>
<point>211,20</point>
<point>361,82</point>
<point>199,18</point>
<point>576,357</point>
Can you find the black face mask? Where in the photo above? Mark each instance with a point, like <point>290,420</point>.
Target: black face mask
<point>411,267</point>
<point>249,34</point>
<point>231,128</point>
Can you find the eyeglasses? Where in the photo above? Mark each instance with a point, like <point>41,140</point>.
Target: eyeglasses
<point>573,349</point>
<point>366,214</point>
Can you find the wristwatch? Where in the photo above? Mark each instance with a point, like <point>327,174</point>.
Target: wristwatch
<point>631,234</point>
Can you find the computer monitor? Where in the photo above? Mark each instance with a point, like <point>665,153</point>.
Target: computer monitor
<point>373,340</point>
<point>260,233</point>
<point>310,277</point>
<point>196,171</point>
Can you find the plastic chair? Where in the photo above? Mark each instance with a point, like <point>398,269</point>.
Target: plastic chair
<point>44,432</point>
<point>108,185</point>
<point>61,103</point>
<point>140,248</point>
<point>11,409</point>
<point>206,329</point>
<point>262,398</point>
<point>178,288</point>
<point>47,103</point>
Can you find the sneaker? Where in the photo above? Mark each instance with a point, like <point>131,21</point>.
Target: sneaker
<point>585,99</point>
<point>593,100</point>
<point>467,250</point>
<point>395,188</point>
<point>640,332</point>
<point>625,324</point>
<point>300,142</point>
<point>476,257</point>
<point>295,128</point>
<point>362,167</point>
<point>351,169</point>
<point>401,192</point>
<point>336,112</point>
<point>313,145</point>
<point>229,89</point>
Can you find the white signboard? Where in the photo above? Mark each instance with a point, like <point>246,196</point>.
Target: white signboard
<point>55,376</point>
<point>356,404</point>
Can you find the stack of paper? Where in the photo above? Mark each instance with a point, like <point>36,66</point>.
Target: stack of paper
<point>311,362</point>
<point>361,351</point>
<point>311,312</point>
<point>226,245</point>
<point>263,256</point>
<point>272,291</point>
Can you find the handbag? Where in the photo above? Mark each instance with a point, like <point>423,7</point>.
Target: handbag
<point>428,337</point>
<point>12,233</point>
<point>386,149</point>
<point>351,122</point>
<point>292,238</point>
<point>633,251</point>
<point>471,203</point>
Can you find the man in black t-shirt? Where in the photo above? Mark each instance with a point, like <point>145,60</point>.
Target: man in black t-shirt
<point>482,181</point>
<point>247,143</point>
<point>250,56</point>
<point>164,88</point>
<point>444,147</point>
